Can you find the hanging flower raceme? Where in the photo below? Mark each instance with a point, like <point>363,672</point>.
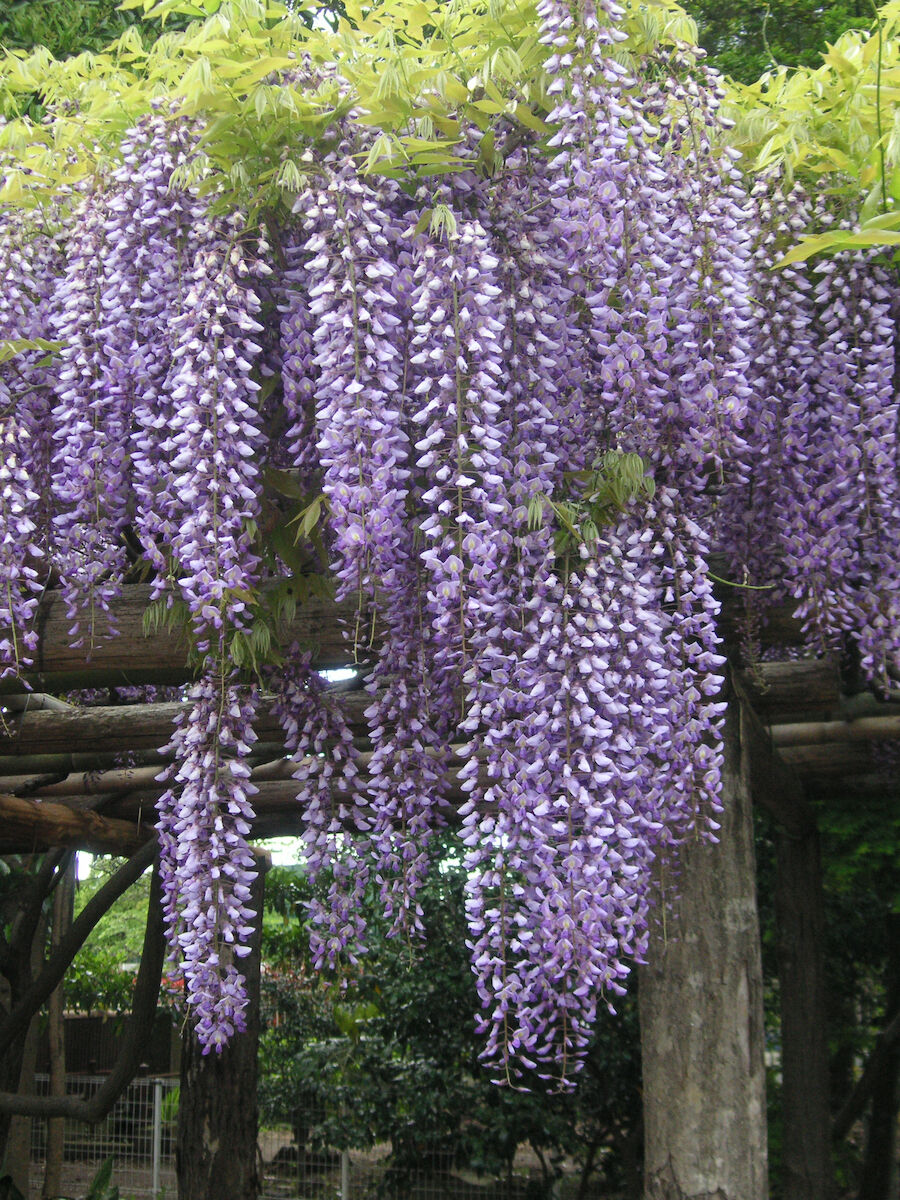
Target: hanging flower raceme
<point>698,239</point>
<point>335,823</point>
<point>508,819</point>
<point>363,448</point>
<point>154,242</point>
<point>358,277</point>
<point>211,482</point>
<point>24,409</point>
<point>206,866</point>
<point>761,499</point>
<point>463,433</point>
<point>298,375</point>
<point>91,424</point>
<point>840,554</point>
<point>410,735</point>
<point>18,550</point>
<point>688,683</point>
<point>873,348</point>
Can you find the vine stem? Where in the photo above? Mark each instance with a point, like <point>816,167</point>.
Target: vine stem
<point>878,122</point>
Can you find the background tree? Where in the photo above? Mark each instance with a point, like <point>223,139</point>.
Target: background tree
<point>744,39</point>
<point>392,1055</point>
<point>69,27</point>
<point>102,973</point>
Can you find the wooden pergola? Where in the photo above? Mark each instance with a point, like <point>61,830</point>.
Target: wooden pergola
<point>62,782</point>
<point>63,785</point>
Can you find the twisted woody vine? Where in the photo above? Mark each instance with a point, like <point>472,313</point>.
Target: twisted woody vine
<point>511,412</point>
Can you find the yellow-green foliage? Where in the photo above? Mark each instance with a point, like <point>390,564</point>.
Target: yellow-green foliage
<point>837,126</point>
<point>419,70</point>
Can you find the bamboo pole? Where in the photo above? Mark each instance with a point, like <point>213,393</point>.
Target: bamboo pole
<point>827,733</point>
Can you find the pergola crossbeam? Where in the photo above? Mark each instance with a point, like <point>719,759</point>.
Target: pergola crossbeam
<point>59,758</point>
<point>35,825</point>
<point>131,657</point>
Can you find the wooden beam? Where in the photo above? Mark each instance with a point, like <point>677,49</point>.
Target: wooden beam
<point>838,760</point>
<point>829,733</point>
<point>802,689</point>
<point>136,727</point>
<point>35,702</point>
<point>36,825</point>
<point>130,657</point>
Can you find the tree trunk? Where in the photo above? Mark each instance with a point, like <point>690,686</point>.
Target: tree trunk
<point>702,1018</point>
<point>63,901</point>
<point>879,1167</point>
<point>216,1154</point>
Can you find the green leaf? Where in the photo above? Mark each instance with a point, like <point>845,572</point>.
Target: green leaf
<point>889,220</point>
<point>530,120</point>
<point>285,483</point>
<point>12,347</point>
<point>308,518</point>
<point>100,1185</point>
<point>825,242</point>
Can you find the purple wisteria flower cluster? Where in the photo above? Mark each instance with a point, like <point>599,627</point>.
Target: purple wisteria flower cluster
<point>512,416</point>
<point>327,769</point>
<point>819,505</point>
<point>24,439</point>
<point>205,816</point>
<point>157,438</point>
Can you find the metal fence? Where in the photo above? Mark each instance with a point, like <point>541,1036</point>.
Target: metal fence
<point>139,1134</point>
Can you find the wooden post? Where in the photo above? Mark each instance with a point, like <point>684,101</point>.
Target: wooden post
<point>808,1172</point>
<point>702,1016</point>
<point>216,1155</point>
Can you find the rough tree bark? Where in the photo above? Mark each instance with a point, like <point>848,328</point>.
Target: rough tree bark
<point>702,1019</point>
<point>216,1155</point>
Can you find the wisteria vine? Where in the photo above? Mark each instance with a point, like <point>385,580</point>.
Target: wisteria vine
<point>512,417</point>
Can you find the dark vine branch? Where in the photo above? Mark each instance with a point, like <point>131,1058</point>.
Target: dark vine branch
<point>28,1003</point>
<point>134,1041</point>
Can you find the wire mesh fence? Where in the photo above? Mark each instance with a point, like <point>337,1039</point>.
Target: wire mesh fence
<point>139,1134</point>
<point>371,1175</point>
